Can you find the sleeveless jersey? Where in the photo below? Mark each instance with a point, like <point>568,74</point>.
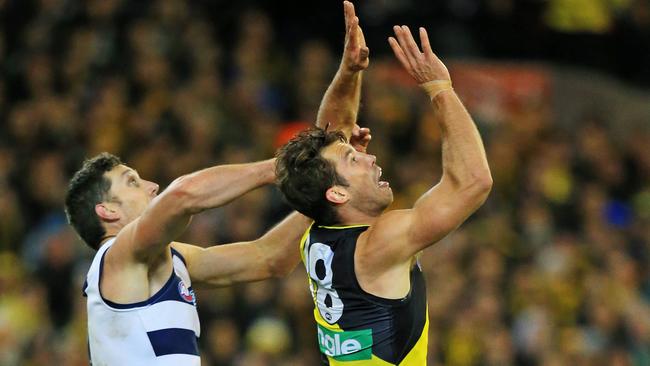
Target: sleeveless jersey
<point>161,331</point>
<point>354,327</point>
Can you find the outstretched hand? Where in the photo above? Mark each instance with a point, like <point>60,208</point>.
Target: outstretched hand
<point>355,53</point>
<point>423,65</point>
<point>360,138</point>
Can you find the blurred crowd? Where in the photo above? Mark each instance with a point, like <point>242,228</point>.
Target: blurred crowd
<point>553,270</point>
<point>607,35</point>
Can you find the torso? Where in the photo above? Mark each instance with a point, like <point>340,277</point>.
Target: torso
<point>128,281</point>
<point>161,330</point>
<point>354,325</point>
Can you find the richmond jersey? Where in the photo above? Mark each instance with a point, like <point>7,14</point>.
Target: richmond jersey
<point>161,331</point>
<point>355,327</point>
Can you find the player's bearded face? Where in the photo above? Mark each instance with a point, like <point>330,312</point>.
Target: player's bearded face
<point>368,193</point>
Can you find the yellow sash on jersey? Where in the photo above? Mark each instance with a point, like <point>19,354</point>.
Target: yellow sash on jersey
<point>416,357</point>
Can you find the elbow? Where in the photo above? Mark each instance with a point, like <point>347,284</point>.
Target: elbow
<point>482,187</point>
<point>485,183</point>
<point>182,192</point>
<point>478,182</point>
<point>478,187</point>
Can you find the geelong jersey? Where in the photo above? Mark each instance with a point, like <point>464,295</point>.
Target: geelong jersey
<point>355,327</point>
<point>161,331</point>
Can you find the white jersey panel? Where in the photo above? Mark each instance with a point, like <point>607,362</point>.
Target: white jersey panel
<point>160,331</point>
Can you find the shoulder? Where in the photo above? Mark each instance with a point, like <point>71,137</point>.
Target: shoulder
<point>383,242</point>
<point>390,226</point>
<point>96,265</point>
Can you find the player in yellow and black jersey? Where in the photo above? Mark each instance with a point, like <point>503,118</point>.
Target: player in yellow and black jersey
<point>354,325</point>
<point>368,290</point>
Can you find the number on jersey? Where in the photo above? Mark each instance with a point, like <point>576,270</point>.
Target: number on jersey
<point>319,267</point>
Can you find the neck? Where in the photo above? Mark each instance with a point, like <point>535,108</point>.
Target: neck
<point>112,230</point>
<point>354,217</point>
<point>104,239</point>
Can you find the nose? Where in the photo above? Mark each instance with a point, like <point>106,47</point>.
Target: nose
<point>373,159</point>
<point>153,188</point>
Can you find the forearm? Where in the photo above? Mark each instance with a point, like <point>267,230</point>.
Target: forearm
<point>275,254</point>
<point>340,104</point>
<point>466,179</point>
<point>280,245</point>
<point>465,182</point>
<point>463,155</point>
<point>216,186</point>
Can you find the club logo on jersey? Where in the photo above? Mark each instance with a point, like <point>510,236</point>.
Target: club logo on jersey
<point>186,294</point>
<point>353,345</point>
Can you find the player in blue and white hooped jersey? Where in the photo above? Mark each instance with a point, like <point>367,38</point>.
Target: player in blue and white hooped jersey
<point>140,285</point>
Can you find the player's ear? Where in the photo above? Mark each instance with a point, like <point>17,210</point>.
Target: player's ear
<point>337,194</point>
<point>106,212</point>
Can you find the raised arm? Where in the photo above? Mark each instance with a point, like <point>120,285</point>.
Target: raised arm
<point>275,254</point>
<point>466,179</point>
<point>340,104</point>
<point>168,214</point>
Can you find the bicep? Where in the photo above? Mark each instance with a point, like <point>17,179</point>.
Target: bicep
<point>437,213</point>
<point>224,265</point>
<point>164,219</point>
<point>400,234</point>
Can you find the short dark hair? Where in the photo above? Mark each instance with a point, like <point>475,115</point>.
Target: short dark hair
<point>87,188</point>
<point>304,175</point>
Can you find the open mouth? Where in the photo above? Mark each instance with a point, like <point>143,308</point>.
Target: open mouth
<point>381,183</point>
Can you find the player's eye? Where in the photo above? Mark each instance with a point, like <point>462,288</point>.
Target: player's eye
<point>354,159</point>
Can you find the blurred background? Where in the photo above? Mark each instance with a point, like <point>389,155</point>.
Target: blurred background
<point>553,270</point>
